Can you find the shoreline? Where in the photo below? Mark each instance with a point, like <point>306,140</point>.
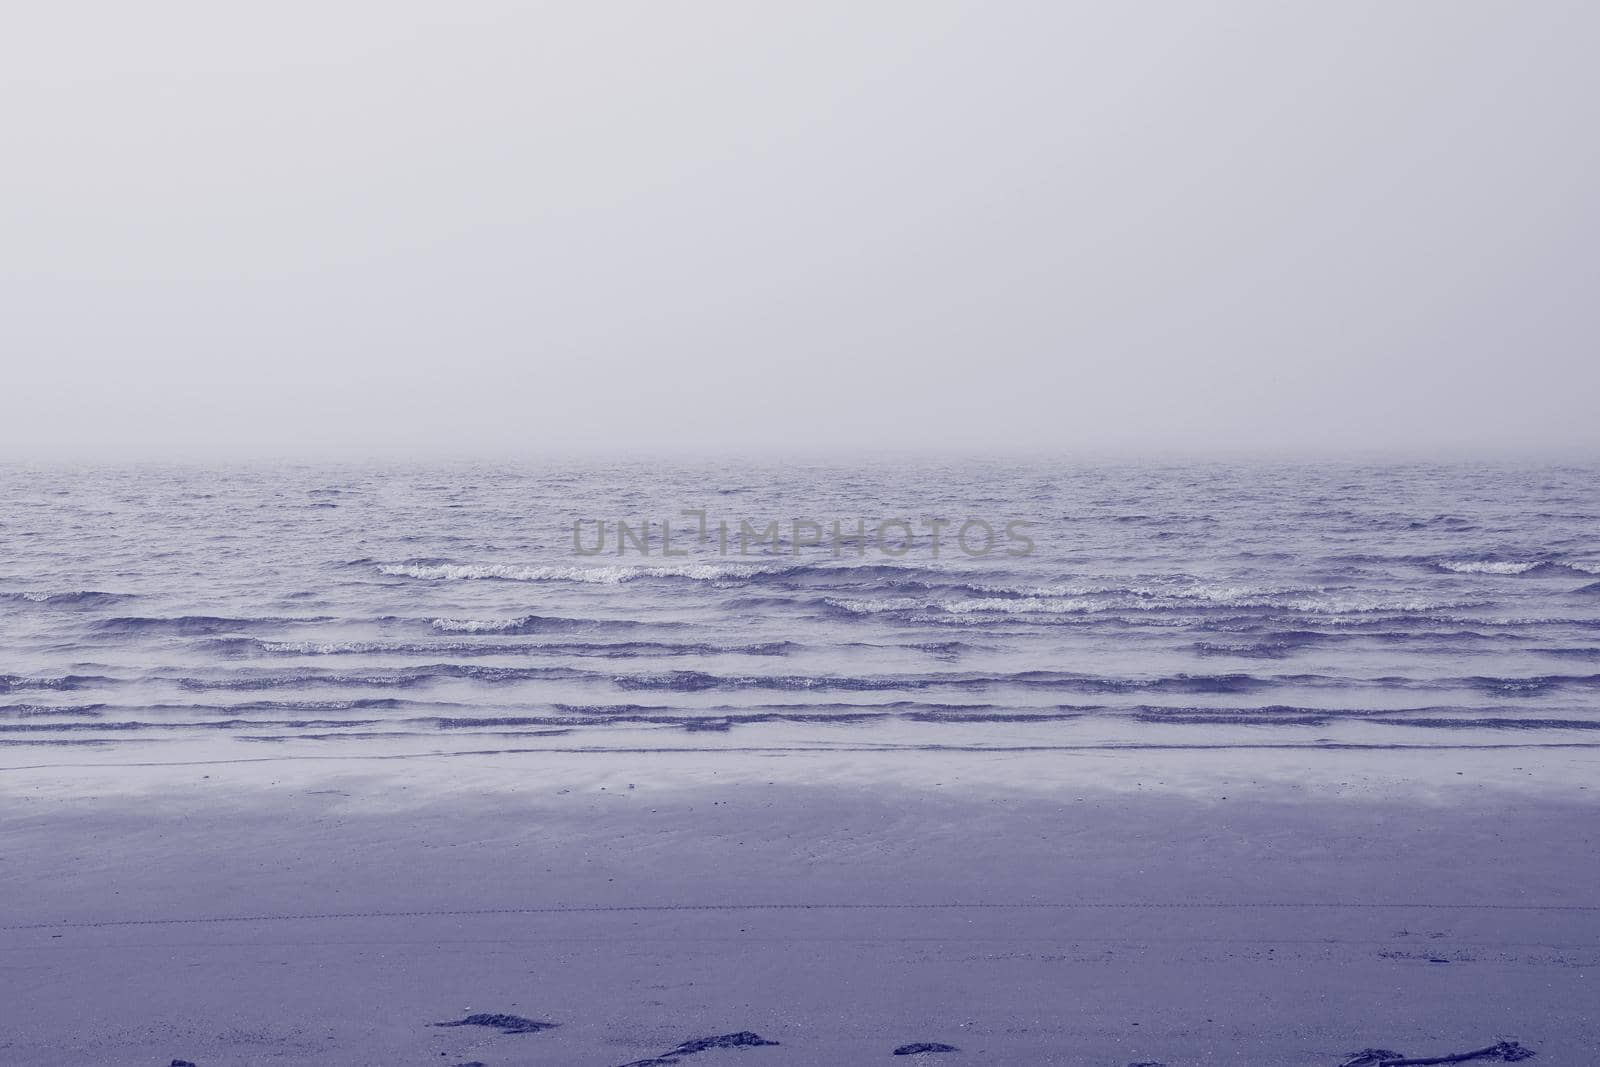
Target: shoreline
<point>314,911</point>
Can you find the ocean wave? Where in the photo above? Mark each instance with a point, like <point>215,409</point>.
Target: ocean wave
<point>1140,597</point>
<point>1022,606</point>
<point>25,711</point>
<point>789,572</point>
<point>1191,602</point>
<point>124,725</point>
<point>880,605</point>
<point>79,598</point>
<point>1522,621</point>
<point>701,681</point>
<point>969,606</point>
<point>522,625</point>
<point>1336,604</point>
<point>1535,685</point>
<point>605,575</point>
<point>245,646</point>
<point>353,704</point>
<point>1492,723</point>
<point>536,624</point>
<point>16,683</point>
<point>1071,682</point>
<point>1490,566</point>
<point>194,625</point>
<point>953,587</point>
<point>1224,717</point>
<point>723,719</point>
<point>1280,646</point>
<point>380,678</point>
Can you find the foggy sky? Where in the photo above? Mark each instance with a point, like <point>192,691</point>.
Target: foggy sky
<point>389,228</point>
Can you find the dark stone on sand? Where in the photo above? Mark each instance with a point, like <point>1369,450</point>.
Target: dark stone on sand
<point>742,1039</point>
<point>924,1046</point>
<point>180,1063</point>
<point>506,1024</point>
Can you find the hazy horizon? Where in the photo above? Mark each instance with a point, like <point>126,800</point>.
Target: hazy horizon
<point>368,230</point>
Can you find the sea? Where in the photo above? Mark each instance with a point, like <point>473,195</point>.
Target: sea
<point>779,607</point>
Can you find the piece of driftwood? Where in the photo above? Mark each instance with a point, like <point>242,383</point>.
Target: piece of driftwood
<point>1505,1051</point>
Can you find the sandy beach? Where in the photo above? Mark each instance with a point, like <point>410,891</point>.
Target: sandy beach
<point>1294,907</point>
<point>947,534</point>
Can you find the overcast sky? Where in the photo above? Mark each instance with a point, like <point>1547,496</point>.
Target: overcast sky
<point>341,229</point>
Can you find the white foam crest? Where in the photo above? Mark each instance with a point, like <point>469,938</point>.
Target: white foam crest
<point>875,607</point>
<point>320,648</point>
<point>1044,590</point>
<point>33,596</point>
<point>1331,604</point>
<point>476,626</point>
<point>1488,566</point>
<point>592,575</point>
<point>1223,594</point>
<point>1023,606</point>
<point>1148,595</point>
<point>974,605</point>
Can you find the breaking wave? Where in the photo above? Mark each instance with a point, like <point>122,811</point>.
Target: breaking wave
<point>1490,566</point>
<point>590,575</point>
<point>535,624</point>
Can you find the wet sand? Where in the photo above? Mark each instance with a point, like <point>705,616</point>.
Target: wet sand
<point>1287,908</point>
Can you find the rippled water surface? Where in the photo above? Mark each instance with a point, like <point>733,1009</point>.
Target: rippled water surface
<point>446,608</point>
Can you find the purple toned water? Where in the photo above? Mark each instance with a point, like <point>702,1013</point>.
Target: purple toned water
<point>1371,605</point>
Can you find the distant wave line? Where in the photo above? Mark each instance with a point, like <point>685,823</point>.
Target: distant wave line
<point>608,909</point>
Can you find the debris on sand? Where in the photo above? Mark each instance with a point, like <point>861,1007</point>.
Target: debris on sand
<point>506,1024</point>
<point>924,1046</point>
<point>742,1039</point>
<point>1504,1051</point>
